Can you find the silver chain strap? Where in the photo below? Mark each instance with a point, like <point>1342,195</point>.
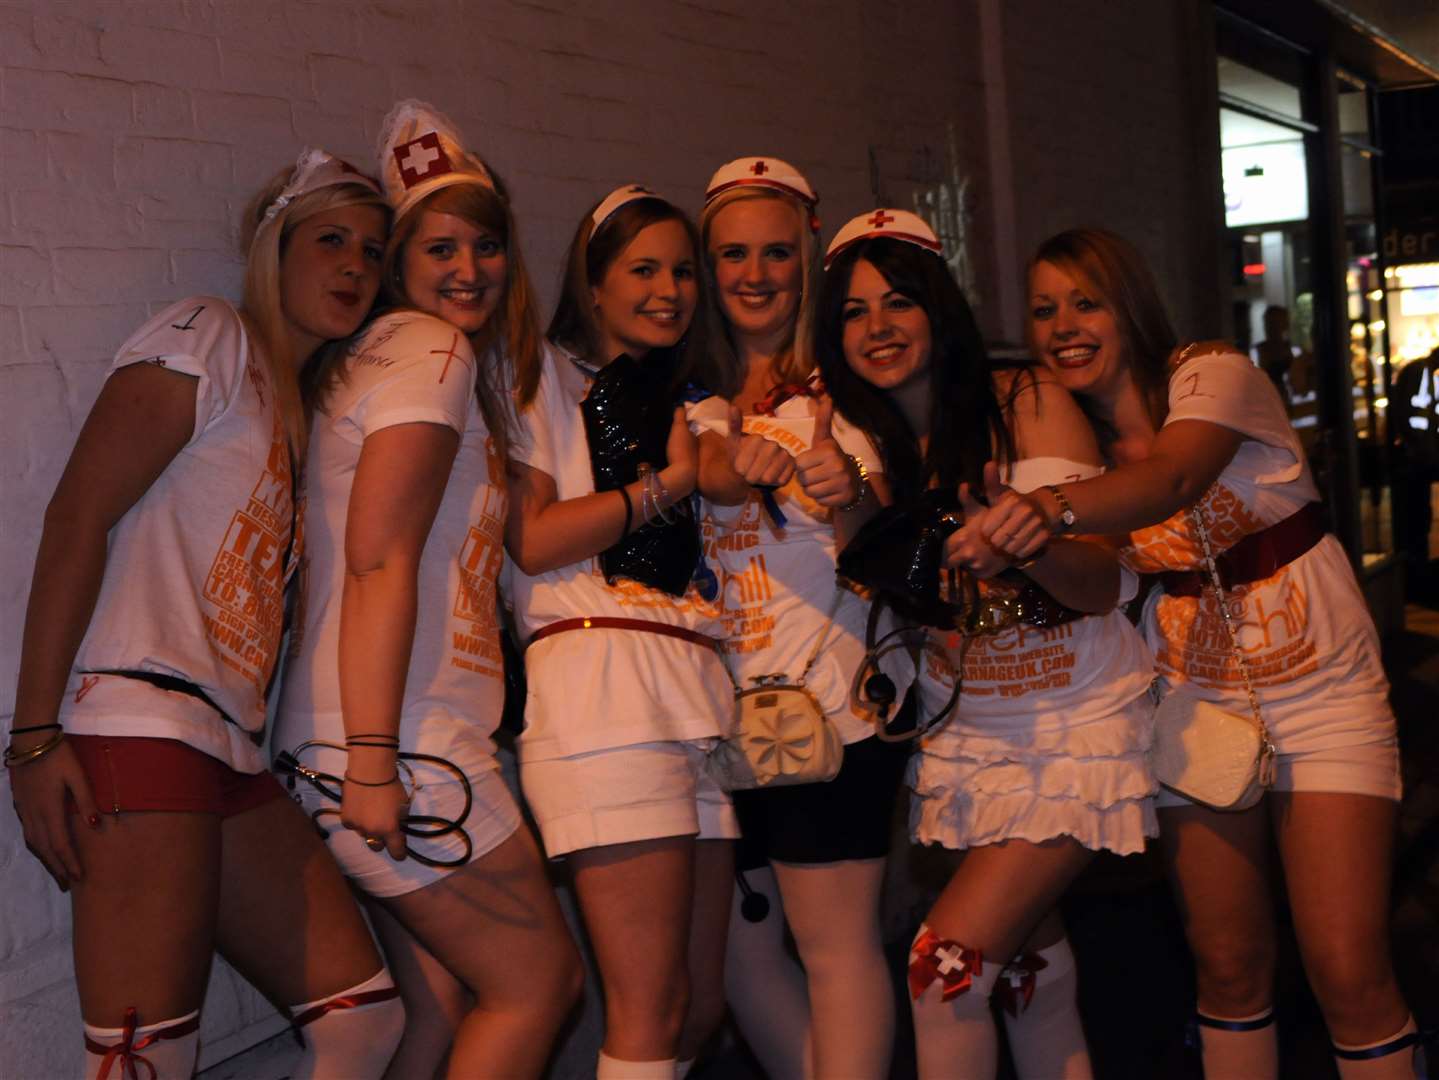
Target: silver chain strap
<point>1266,748</point>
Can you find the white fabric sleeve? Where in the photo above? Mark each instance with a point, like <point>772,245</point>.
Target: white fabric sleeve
<point>421,371</point>
<point>1224,388</point>
<point>200,336</point>
<point>532,443</point>
<point>708,414</point>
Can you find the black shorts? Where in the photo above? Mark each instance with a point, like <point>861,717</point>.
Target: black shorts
<point>847,818</point>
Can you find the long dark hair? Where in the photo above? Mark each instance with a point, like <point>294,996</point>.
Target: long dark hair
<point>966,416</point>
<point>591,252</point>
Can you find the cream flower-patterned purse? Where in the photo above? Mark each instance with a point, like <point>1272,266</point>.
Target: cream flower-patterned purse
<point>1202,751</point>
<point>781,735</point>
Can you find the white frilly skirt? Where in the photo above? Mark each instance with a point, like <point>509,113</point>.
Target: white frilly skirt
<point>977,785</point>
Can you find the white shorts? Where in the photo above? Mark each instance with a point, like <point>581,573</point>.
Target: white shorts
<point>1368,769</point>
<point>493,818</point>
<point>629,793</point>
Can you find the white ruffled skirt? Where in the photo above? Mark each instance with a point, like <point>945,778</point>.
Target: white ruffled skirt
<point>979,785</point>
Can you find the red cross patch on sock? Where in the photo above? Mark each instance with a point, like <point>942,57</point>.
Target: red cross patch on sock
<point>932,957</point>
<point>1015,987</point>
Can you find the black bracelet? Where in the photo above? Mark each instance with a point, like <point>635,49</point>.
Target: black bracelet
<point>33,727</point>
<point>372,783</point>
<point>629,510</point>
<point>373,735</point>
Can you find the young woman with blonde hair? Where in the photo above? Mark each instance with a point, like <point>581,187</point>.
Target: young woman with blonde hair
<point>398,684</point>
<point>1201,430</point>
<point>156,614</point>
<point>787,469</point>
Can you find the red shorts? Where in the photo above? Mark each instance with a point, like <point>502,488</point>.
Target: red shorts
<point>162,774</point>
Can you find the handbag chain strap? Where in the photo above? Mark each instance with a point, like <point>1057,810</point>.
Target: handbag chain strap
<point>1266,748</point>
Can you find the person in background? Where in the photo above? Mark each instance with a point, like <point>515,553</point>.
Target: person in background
<point>155,618</point>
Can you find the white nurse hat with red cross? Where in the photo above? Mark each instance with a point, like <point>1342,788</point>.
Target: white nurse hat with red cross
<point>761,172</point>
<point>420,151</point>
<point>894,224</point>
<point>625,193</point>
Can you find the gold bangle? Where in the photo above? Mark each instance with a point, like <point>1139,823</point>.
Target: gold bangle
<point>35,753</point>
<point>863,474</point>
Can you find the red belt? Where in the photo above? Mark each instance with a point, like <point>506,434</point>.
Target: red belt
<point>605,622</point>
<point>1256,557</point>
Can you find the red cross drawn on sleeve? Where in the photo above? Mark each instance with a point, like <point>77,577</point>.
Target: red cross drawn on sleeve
<point>759,168</point>
<point>421,159</point>
<point>879,219</point>
<point>449,354</point>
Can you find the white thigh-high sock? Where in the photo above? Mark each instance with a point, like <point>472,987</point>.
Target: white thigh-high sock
<point>169,1048</point>
<point>1387,1059</point>
<point>833,910</point>
<point>949,987</point>
<point>1041,1014</point>
<point>765,988</point>
<point>1239,1048</point>
<point>351,1034</point>
<point>609,1068</point>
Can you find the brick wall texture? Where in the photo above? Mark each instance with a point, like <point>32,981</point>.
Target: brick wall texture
<point>133,131</point>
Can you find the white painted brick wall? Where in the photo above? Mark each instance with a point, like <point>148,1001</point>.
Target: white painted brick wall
<point>133,131</point>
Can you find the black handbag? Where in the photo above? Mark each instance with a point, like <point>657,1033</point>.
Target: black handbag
<point>628,415</point>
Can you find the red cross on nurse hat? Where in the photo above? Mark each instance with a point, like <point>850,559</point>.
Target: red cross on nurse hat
<point>761,172</point>
<point>895,224</point>
<point>421,151</point>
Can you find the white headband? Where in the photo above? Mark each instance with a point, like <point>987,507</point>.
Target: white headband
<point>315,169</point>
<point>615,199</point>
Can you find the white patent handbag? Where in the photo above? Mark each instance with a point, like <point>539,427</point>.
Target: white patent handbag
<point>1205,752</point>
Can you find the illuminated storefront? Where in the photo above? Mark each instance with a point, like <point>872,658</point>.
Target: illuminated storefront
<point>1329,311</point>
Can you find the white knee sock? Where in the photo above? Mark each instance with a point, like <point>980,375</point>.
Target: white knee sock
<point>351,1034</point>
<point>609,1068</point>
<point>1239,1048</point>
<point>1041,1015</point>
<point>1387,1059</point>
<point>953,1039</point>
<point>169,1047</point>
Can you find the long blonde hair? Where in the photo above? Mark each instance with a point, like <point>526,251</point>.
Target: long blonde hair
<point>722,371</point>
<point>261,307</point>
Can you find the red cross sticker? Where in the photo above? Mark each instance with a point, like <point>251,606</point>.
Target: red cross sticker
<point>421,159</point>
<point>759,168</point>
<point>449,354</point>
<point>879,219</point>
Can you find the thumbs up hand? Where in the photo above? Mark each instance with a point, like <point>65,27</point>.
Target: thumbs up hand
<point>758,461</point>
<point>827,474</point>
<point>1015,523</point>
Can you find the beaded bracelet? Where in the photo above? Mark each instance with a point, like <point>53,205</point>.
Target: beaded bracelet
<point>863,474</point>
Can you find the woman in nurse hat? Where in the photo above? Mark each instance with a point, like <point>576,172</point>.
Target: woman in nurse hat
<point>398,684</point>
<point>1043,762</point>
<point>781,474</point>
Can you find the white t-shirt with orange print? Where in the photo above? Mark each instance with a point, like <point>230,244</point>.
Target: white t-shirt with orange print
<point>1028,679</point>
<point>407,367</point>
<point>777,585</point>
<point>598,689</point>
<point>1310,645</point>
<point>195,575</point>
